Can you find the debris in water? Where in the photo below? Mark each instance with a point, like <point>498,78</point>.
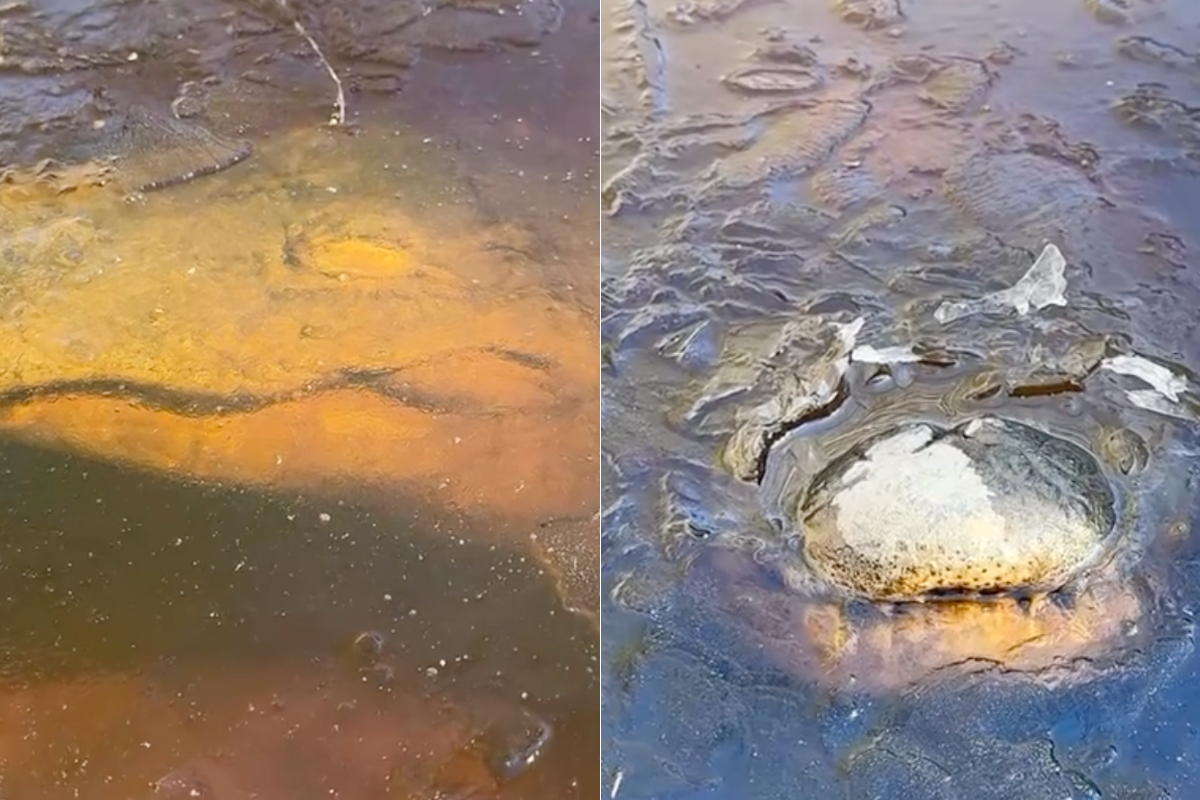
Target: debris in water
<point>339,114</point>
<point>799,396</point>
<point>1043,285</point>
<point>1162,380</point>
<point>1151,400</point>
<point>897,354</point>
<point>847,334</point>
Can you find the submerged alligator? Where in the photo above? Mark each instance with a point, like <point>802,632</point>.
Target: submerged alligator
<point>899,452</point>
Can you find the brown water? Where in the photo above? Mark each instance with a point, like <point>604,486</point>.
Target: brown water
<point>298,419</point>
<point>779,176</point>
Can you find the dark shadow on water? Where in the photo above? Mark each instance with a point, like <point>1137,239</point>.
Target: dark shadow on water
<point>109,572</point>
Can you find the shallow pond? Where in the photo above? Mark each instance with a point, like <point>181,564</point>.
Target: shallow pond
<point>298,400</point>
<point>827,221</point>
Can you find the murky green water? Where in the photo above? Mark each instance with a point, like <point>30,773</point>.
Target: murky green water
<point>825,220</point>
<point>299,480</point>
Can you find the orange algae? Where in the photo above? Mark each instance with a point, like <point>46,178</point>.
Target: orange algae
<point>241,329</point>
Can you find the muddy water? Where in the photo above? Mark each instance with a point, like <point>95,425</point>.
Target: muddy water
<point>296,415</point>
<point>816,217</point>
<point>252,645</point>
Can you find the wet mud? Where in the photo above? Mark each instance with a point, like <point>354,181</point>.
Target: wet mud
<point>299,399</point>
<point>816,235</point>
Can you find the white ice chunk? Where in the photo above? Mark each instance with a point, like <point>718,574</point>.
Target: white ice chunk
<point>847,334</point>
<point>1044,284</point>
<point>1158,377</point>
<point>1151,400</point>
<point>896,354</point>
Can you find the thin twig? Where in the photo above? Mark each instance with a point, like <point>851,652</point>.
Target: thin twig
<point>339,114</point>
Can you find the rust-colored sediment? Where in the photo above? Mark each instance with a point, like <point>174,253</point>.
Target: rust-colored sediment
<point>920,642</point>
<point>519,464</point>
<point>358,339</point>
<point>816,639</point>
<point>275,732</point>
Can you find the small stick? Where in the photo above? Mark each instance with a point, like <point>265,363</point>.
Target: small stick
<point>339,114</point>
